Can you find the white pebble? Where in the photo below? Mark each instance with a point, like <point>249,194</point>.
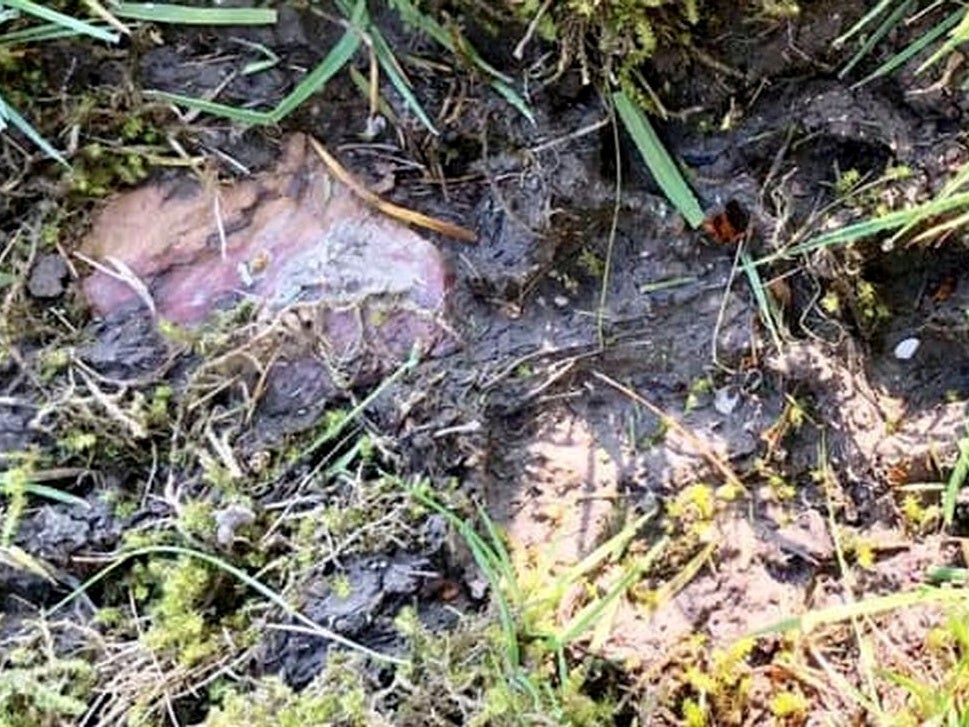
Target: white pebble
<point>907,348</point>
<point>726,399</point>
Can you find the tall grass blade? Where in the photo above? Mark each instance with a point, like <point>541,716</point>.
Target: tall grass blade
<point>385,56</point>
<point>187,15</point>
<point>867,607</point>
<point>312,83</point>
<point>890,22</point>
<point>9,116</point>
<point>660,163</point>
<point>457,45</point>
<point>492,563</point>
<point>42,32</point>
<point>318,77</point>
<point>242,116</point>
<point>865,20</point>
<point>956,480</point>
<point>959,35</point>
<point>79,27</point>
<point>913,49</point>
<point>767,312</point>
<point>867,228</point>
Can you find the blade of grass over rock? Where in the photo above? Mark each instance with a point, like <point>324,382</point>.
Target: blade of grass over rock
<point>55,495</point>
<point>913,49</point>
<point>956,480</point>
<point>187,15</point>
<point>76,25</point>
<point>659,161</point>
<point>9,116</point>
<point>240,575</point>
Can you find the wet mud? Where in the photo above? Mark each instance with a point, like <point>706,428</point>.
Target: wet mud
<point>584,317</point>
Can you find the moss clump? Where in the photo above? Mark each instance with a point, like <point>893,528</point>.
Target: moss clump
<point>623,34</point>
<point>183,594</point>
<point>340,695</point>
<point>36,693</point>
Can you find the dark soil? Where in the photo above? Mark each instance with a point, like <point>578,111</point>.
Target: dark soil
<point>572,296</point>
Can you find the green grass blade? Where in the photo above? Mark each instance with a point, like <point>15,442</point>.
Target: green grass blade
<point>587,617</point>
<point>514,98</point>
<point>412,16</point>
<point>890,22</point>
<point>79,27</point>
<point>52,493</point>
<point>867,228</point>
<point>312,83</point>
<point>499,81</point>
<point>959,35</point>
<point>242,116</point>
<point>767,313</point>
<point>338,57</point>
<point>502,559</point>
<point>240,575</point>
<point>913,49</point>
<point>956,480</point>
<point>385,56</point>
<point>660,163</point>
<point>387,61</point>
<point>336,430</point>
<point>868,607</point>
<point>9,116</point>
<point>187,15</point>
<point>865,20</point>
<point>42,32</point>
<point>491,564</point>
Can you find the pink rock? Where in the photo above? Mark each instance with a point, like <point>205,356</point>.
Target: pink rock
<point>292,237</point>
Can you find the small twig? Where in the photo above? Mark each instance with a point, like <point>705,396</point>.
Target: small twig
<point>124,274</point>
<point>389,208</point>
<point>519,51</point>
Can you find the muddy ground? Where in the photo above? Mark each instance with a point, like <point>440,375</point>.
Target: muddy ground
<point>584,317</point>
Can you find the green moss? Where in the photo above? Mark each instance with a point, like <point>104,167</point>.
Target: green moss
<point>340,696</point>
<point>44,693</point>
<point>196,518</point>
<point>181,596</point>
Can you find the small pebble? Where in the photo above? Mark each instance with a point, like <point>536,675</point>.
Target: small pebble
<point>726,399</point>
<point>47,277</point>
<point>906,349</point>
